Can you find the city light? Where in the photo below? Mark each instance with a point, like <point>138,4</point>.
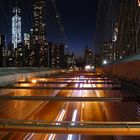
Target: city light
<point>138,2</point>
<point>34,81</point>
<point>105,62</point>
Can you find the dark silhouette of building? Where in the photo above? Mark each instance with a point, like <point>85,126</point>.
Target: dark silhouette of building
<point>2,50</point>
<point>56,55</point>
<point>39,47</point>
<point>10,55</point>
<point>88,56</point>
<point>106,53</point>
<point>21,55</point>
<point>118,24</point>
<point>128,20</point>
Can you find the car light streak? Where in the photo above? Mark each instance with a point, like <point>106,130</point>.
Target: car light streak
<point>74,116</point>
<point>96,91</point>
<point>61,116</point>
<point>73,120</point>
<point>29,136</point>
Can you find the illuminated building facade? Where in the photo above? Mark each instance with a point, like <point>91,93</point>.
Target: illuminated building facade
<point>107,53</point>
<point>56,55</point>
<point>38,56</point>
<point>16,26</point>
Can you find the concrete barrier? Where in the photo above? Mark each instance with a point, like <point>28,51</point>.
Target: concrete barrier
<point>17,74</point>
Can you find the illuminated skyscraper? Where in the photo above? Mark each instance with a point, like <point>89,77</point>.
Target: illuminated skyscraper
<point>16,26</point>
<point>38,56</point>
<point>39,21</point>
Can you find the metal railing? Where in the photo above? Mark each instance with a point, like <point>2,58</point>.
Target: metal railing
<point>70,99</point>
<point>93,128</point>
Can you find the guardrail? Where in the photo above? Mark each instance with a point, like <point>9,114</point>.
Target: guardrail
<point>67,82</point>
<point>71,99</point>
<point>59,88</point>
<point>90,128</point>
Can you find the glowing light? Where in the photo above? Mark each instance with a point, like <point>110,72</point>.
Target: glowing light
<point>87,67</point>
<point>52,136</point>
<point>76,85</point>
<point>61,116</point>
<point>81,85</point>
<point>138,2</point>
<point>73,120</point>
<point>34,81</point>
<point>69,137</point>
<point>74,116</point>
<point>104,62</point>
<point>29,136</point>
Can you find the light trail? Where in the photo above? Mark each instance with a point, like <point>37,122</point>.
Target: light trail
<point>60,118</point>
<point>29,136</point>
<point>73,120</point>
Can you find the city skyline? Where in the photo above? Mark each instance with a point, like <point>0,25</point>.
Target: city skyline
<point>79,28</point>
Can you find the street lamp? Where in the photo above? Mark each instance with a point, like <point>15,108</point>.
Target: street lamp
<point>104,62</point>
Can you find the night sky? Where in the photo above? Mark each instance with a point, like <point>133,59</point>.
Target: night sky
<point>78,18</point>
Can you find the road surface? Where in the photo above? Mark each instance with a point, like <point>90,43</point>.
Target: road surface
<point>65,111</point>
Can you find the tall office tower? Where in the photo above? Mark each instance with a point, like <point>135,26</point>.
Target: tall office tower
<point>38,36</point>
<point>106,25</point>
<point>16,26</point>
<point>118,24</point>
<point>56,55</point>
<point>39,21</point>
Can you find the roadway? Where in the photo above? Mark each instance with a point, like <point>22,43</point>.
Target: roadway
<point>62,111</point>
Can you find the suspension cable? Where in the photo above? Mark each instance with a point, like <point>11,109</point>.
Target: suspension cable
<point>61,27</point>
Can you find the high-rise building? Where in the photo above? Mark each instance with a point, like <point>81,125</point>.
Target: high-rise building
<point>10,55</point>
<point>88,56</point>
<point>106,53</point>
<point>39,45</point>
<point>21,59</point>
<point>56,55</point>
<point>39,21</point>
<point>16,26</point>
<point>128,42</point>
<point>2,50</point>
<point>118,24</point>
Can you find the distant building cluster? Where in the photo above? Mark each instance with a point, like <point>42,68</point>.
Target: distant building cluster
<point>118,29</point>
<point>34,50</point>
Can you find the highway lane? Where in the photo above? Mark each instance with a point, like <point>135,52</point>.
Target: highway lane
<point>74,112</point>
<point>86,111</point>
<point>23,109</point>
